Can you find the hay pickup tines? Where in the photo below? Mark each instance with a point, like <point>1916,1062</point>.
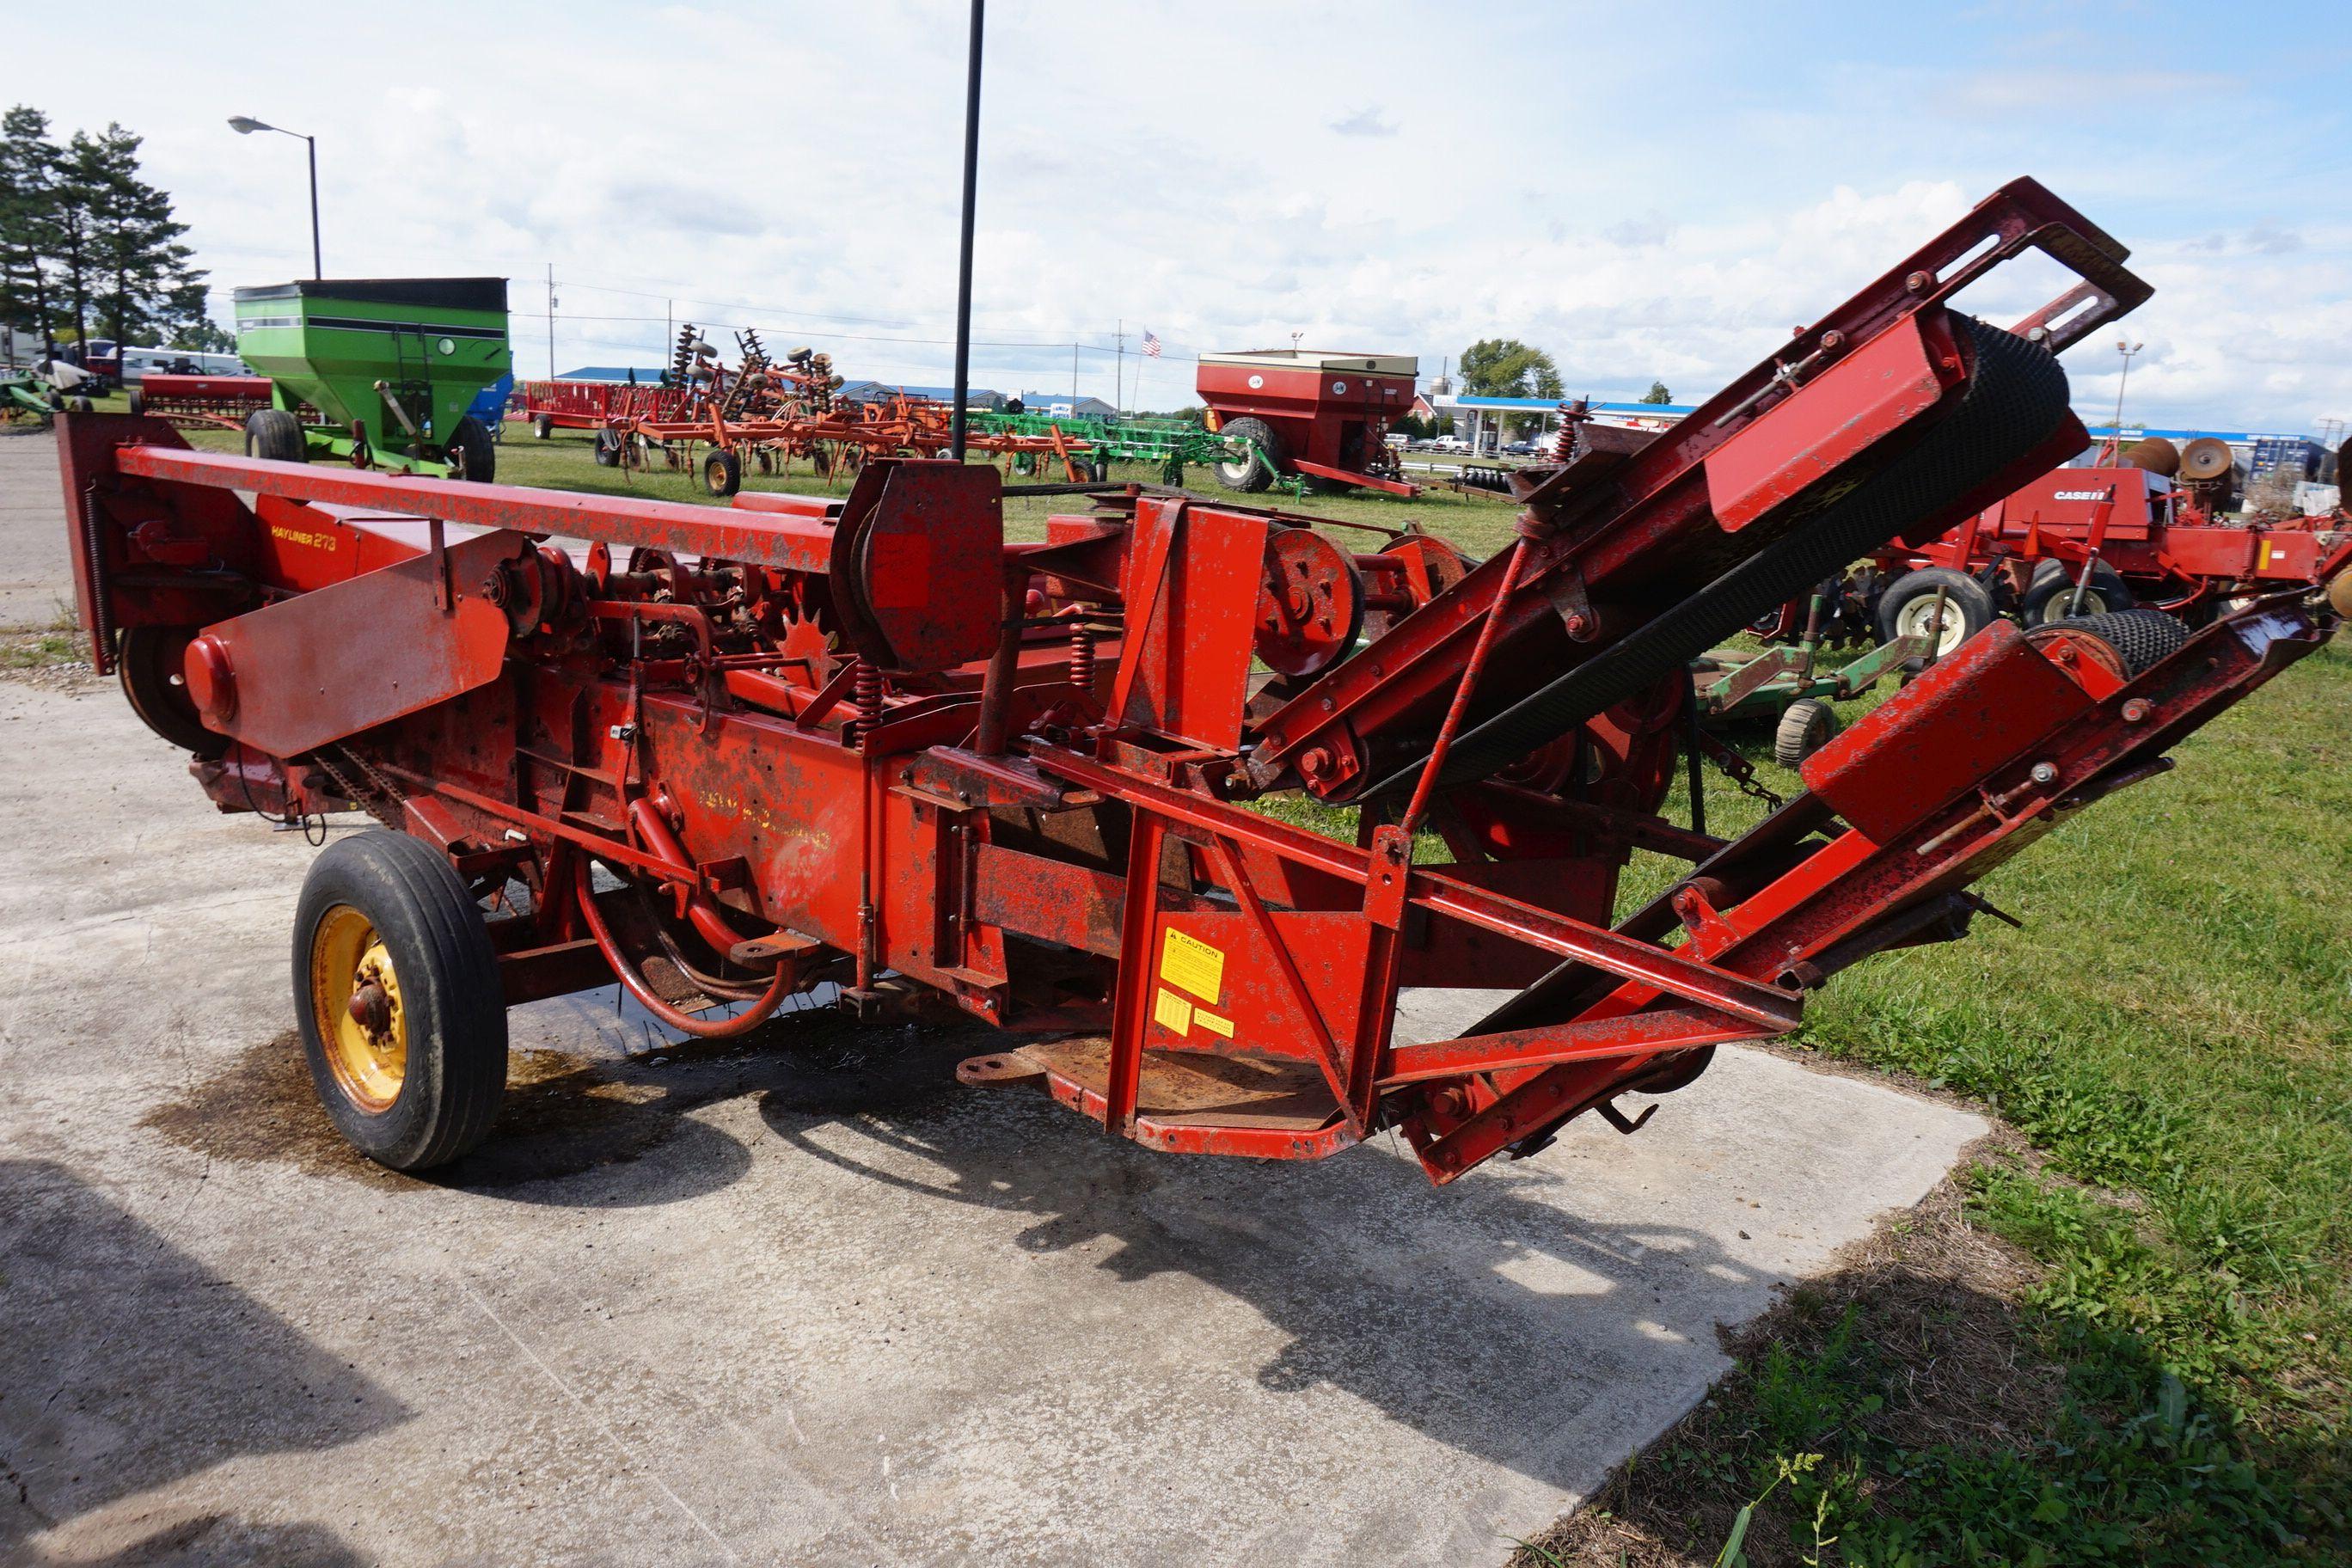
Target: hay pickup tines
<point>728,756</point>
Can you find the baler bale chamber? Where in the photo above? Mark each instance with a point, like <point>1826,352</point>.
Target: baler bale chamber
<point>391,364</point>
<point>728,755</point>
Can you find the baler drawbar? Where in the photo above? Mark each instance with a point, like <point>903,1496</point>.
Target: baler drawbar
<point>728,755</point>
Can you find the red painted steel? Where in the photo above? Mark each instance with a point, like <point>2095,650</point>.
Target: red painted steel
<point>869,741</point>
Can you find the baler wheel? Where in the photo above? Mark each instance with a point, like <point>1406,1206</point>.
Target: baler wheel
<point>722,472</point>
<point>1255,442</point>
<point>276,435</point>
<point>608,449</point>
<point>470,453</point>
<point>397,993</point>
<point>543,429</point>
<point>149,663</point>
<point>1807,726</point>
<point>1907,608</point>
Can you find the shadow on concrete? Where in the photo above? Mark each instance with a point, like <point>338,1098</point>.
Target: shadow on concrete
<point>1481,1314</point>
<point>126,1364</point>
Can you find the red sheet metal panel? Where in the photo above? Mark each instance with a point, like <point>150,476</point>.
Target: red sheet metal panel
<point>1855,403</point>
<point>353,655</point>
<point>1981,707</point>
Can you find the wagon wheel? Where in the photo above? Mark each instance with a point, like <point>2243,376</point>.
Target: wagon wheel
<point>1310,603</point>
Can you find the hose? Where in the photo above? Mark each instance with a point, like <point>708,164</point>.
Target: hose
<point>743,1023</point>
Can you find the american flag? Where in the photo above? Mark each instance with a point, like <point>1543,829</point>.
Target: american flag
<point>1150,345</point>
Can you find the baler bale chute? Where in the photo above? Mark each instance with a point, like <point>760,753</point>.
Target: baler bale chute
<point>391,364</point>
<point>725,757</point>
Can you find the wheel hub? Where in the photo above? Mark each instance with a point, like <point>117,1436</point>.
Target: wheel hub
<point>356,1009</point>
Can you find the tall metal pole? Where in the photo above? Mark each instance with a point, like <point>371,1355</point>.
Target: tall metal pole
<point>963,264</point>
<point>318,267</point>
<point>1073,378</point>
<point>2127,347</point>
<point>551,321</point>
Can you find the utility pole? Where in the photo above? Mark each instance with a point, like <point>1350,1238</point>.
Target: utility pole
<point>963,267</point>
<point>1119,370</point>
<point>1073,378</point>
<point>551,321</point>
<point>669,326</point>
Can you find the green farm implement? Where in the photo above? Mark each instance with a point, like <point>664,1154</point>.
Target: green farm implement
<point>1792,685</point>
<point>391,364</point>
<point>1172,444</point>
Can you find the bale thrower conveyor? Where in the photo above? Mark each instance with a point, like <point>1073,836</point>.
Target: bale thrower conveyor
<point>726,755</point>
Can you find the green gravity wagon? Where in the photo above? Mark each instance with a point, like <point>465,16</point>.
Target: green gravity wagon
<point>393,364</point>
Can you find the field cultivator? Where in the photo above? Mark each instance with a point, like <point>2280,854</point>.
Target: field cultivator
<point>763,416</point>
<point>726,756</point>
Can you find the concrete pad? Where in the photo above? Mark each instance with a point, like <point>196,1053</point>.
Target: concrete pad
<point>806,1303</point>
<point>35,565</point>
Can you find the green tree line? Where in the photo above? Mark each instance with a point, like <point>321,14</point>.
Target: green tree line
<point>88,247</point>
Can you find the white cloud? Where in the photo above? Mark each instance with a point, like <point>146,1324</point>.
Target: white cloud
<point>1216,172</point>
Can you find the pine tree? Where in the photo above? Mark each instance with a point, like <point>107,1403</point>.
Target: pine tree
<point>142,272</point>
<point>79,173</point>
<point>30,175</point>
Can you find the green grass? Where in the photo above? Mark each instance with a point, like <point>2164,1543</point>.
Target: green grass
<point>2170,1032</point>
<point>2171,1027</point>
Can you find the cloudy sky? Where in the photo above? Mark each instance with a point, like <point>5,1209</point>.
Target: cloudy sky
<point>1643,189</point>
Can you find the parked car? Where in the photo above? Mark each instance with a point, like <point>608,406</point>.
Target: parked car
<point>1450,442</point>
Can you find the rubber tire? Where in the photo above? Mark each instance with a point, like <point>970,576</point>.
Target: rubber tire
<point>275,436</point>
<point>144,662</point>
<point>2050,595</point>
<point>1806,726</point>
<point>1098,471</point>
<point>608,449</point>
<point>1251,475</point>
<point>1962,592</point>
<point>722,472</point>
<point>471,454</point>
<point>543,427</point>
<point>449,993</point>
<point>138,402</point>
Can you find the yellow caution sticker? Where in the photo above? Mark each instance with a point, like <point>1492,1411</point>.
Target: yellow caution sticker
<point>1189,961</point>
<point>1214,1023</point>
<point>2262,560</point>
<point>1172,1010</point>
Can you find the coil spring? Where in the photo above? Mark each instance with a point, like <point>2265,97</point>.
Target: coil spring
<point>1563,445</point>
<point>102,593</point>
<point>1082,657</point>
<point>865,690</point>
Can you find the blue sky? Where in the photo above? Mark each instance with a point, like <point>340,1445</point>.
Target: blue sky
<point>1645,190</point>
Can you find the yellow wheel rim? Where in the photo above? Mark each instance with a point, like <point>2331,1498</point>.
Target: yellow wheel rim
<point>355,1008</point>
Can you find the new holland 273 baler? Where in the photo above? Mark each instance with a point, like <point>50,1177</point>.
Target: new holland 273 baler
<point>728,755</point>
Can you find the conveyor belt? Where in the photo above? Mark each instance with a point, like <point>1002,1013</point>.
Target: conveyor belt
<point>2015,402</point>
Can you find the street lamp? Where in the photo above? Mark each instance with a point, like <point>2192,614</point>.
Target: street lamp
<point>245,125</point>
<point>2127,347</point>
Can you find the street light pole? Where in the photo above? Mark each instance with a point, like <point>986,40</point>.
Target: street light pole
<point>245,125</point>
<point>2128,349</point>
